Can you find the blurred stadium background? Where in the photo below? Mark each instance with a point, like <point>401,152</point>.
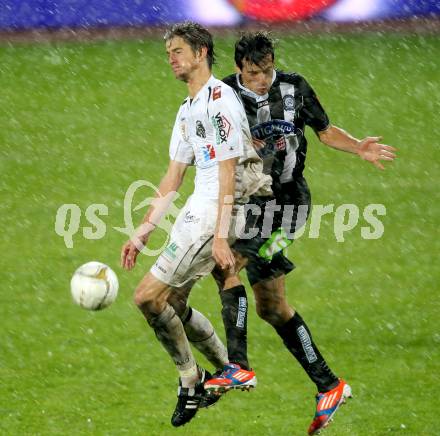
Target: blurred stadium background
<point>81,120</point>
<point>55,14</point>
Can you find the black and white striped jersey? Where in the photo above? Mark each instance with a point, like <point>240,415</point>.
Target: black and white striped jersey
<point>279,118</point>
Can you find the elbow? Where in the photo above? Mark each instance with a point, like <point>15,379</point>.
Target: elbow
<point>326,136</point>
<point>323,138</point>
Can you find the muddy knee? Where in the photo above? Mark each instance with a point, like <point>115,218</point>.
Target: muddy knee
<point>148,301</point>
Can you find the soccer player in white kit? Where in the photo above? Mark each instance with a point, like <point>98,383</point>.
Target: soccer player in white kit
<point>211,132</point>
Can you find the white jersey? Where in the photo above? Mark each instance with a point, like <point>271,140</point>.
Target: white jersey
<point>213,127</point>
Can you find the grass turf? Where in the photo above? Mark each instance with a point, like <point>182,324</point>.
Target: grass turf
<point>80,122</point>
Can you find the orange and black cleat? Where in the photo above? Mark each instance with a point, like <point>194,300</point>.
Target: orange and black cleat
<point>232,377</point>
<point>327,404</point>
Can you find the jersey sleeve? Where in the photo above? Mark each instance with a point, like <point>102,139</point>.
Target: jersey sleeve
<point>180,150</point>
<point>312,111</point>
<point>227,114</point>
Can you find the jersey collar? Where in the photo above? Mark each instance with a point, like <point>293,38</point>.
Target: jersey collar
<point>211,82</point>
<point>252,94</point>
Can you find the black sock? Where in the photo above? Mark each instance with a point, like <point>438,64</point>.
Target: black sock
<point>298,339</point>
<point>234,314</point>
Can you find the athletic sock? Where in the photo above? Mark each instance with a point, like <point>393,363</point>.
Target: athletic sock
<point>298,340</point>
<point>202,335</point>
<point>234,314</point>
<point>189,377</point>
<point>169,330</point>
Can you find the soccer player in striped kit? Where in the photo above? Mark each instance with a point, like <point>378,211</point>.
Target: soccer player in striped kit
<point>279,106</point>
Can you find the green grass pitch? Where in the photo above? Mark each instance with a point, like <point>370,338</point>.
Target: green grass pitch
<point>80,122</point>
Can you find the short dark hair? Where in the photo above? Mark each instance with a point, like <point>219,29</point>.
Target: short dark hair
<point>196,36</point>
<point>253,47</point>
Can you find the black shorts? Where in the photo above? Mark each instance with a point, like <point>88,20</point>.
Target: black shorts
<point>260,268</point>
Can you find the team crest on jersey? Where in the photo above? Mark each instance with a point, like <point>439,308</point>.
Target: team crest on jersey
<point>216,92</point>
<point>200,129</point>
<point>222,127</point>
<point>288,102</point>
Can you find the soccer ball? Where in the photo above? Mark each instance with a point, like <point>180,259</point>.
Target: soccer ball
<point>94,286</point>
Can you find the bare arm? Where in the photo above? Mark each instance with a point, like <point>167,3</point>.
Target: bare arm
<point>169,184</point>
<point>368,148</point>
<point>220,250</point>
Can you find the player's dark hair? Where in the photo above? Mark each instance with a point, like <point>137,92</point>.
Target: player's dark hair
<point>196,36</point>
<point>254,48</point>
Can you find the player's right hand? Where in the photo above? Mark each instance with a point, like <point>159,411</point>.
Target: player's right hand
<point>130,251</point>
<point>222,253</point>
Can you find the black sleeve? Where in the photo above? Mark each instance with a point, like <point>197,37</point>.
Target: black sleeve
<point>311,110</point>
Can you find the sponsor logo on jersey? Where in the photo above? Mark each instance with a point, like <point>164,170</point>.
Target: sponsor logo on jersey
<point>222,127</point>
<point>260,104</point>
<point>170,252</point>
<point>200,129</point>
<point>183,129</point>
<point>208,152</point>
<point>189,218</point>
<point>280,144</point>
<point>289,102</point>
<point>211,151</point>
<point>273,128</point>
<point>160,268</point>
<point>216,92</point>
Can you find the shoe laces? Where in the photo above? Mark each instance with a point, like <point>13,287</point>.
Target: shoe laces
<point>230,368</point>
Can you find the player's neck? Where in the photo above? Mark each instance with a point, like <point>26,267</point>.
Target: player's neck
<point>198,80</point>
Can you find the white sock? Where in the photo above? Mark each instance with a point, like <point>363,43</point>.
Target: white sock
<point>189,377</point>
<point>202,335</point>
<point>169,330</point>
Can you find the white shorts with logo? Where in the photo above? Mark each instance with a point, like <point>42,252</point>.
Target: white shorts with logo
<point>188,255</point>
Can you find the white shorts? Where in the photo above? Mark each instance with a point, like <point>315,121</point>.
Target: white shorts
<point>188,255</point>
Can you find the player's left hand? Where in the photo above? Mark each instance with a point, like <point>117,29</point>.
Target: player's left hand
<point>258,143</point>
<point>222,253</point>
<point>372,151</point>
